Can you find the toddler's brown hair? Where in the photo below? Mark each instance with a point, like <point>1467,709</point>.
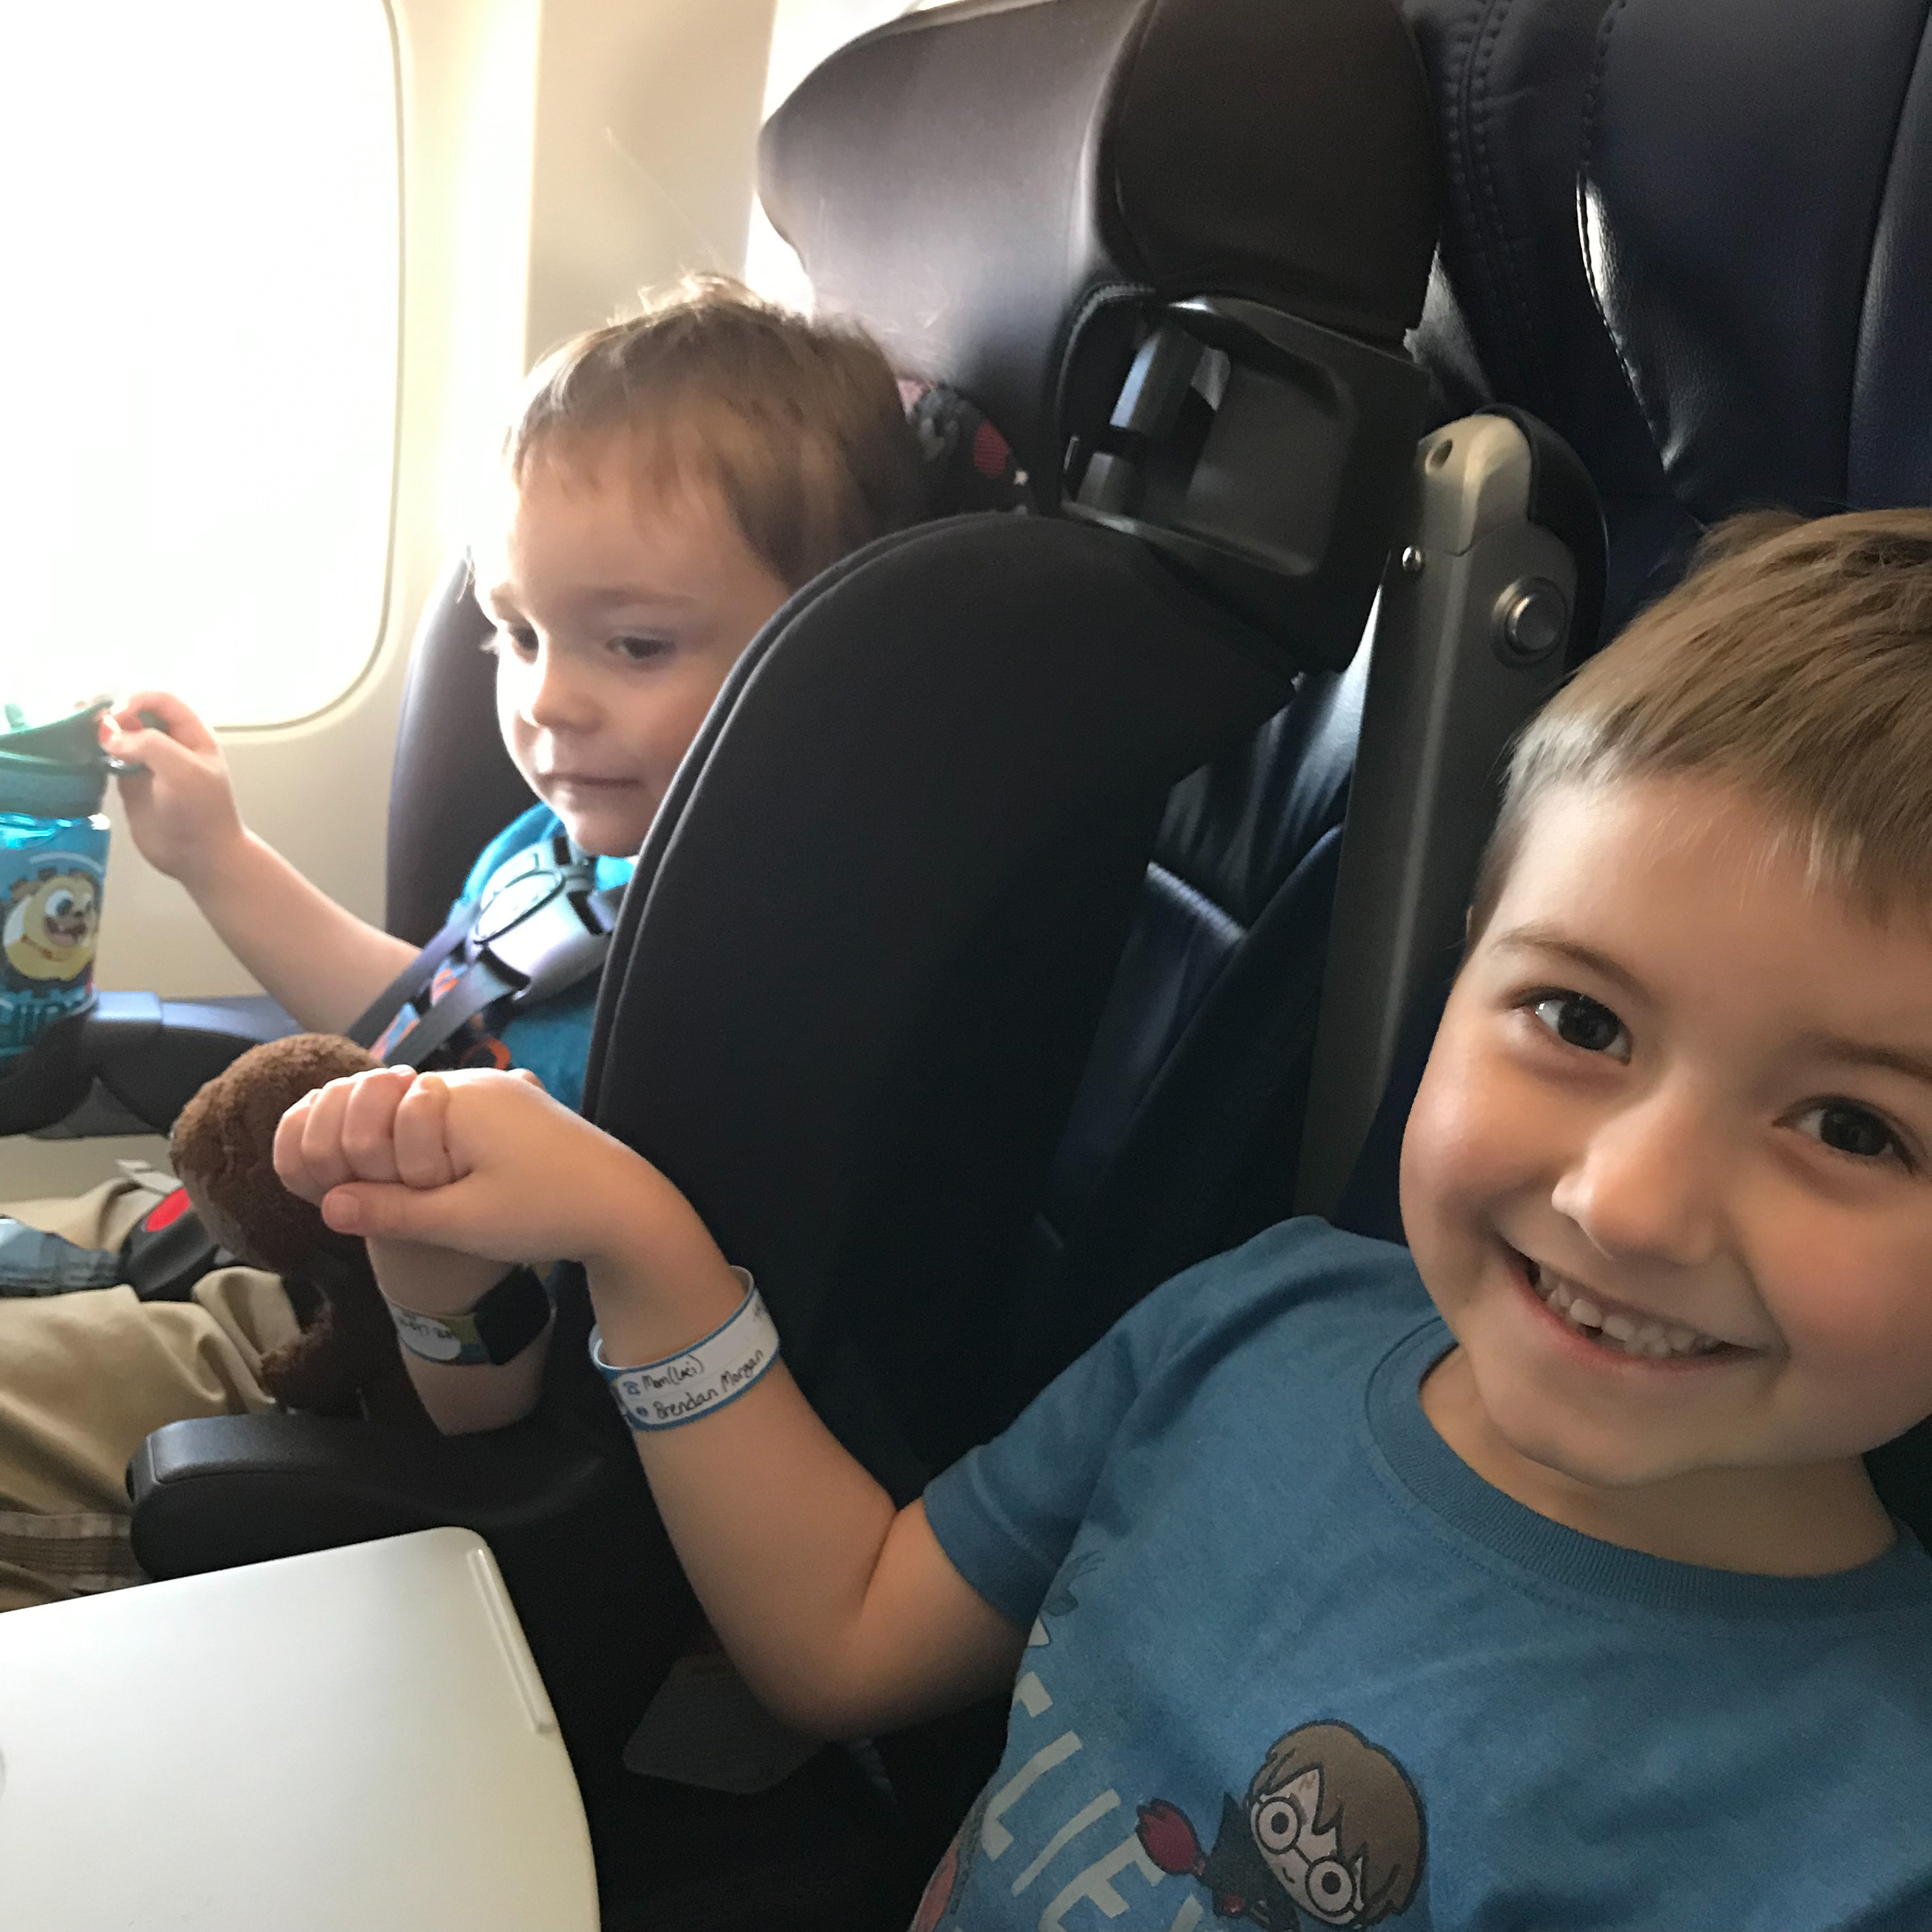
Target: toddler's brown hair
<point>797,424</point>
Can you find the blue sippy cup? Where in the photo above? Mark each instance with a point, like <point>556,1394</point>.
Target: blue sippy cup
<point>53,862</point>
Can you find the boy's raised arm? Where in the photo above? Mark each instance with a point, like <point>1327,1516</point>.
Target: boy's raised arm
<point>842,1612</point>
<point>316,959</point>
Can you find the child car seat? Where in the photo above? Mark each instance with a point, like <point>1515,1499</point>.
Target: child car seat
<point>849,1027</point>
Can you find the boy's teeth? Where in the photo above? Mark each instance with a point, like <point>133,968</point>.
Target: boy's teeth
<point>1657,1340</point>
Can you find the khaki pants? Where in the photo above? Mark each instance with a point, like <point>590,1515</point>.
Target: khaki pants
<point>84,1377</point>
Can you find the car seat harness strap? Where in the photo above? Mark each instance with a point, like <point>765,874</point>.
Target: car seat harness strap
<point>540,925</point>
<point>680,1388</point>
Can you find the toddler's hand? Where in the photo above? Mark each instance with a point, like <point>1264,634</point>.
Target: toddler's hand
<point>386,1125</point>
<point>366,1129</point>
<point>485,1162</point>
<point>181,810</point>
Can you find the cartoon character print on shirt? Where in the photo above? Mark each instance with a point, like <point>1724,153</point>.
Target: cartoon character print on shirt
<point>50,925</point>
<point>1332,1827</point>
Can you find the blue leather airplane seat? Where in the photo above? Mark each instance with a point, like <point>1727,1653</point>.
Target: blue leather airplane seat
<point>1692,239</point>
<point>1509,316</point>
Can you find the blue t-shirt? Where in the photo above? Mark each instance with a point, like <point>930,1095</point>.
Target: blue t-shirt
<point>552,1038</point>
<point>1293,1663</point>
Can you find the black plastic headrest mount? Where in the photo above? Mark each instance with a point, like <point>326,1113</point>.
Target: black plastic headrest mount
<point>1266,458</point>
<point>1004,190</point>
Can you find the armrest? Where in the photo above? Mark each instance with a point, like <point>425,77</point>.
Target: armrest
<point>153,1055</point>
<point>130,1063</point>
<point>223,1490</point>
<point>588,1565</point>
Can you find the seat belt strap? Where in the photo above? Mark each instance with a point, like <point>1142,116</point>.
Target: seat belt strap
<point>477,988</point>
<point>538,926</point>
<point>412,985</point>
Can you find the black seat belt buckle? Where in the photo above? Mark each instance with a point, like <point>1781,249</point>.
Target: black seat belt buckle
<point>168,1250</point>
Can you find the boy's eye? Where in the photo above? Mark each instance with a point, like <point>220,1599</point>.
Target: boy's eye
<point>521,640</point>
<point>1847,1128</point>
<point>1580,1021</point>
<point>642,650</point>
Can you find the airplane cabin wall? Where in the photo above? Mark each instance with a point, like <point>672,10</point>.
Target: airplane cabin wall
<point>556,156</point>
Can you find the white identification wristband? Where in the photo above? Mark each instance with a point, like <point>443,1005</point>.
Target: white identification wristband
<point>697,1380</point>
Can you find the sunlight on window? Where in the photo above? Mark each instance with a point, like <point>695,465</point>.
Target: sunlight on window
<point>198,214</point>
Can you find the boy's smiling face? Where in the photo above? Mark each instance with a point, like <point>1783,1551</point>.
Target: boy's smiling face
<point>620,608</point>
<point>1687,1098</point>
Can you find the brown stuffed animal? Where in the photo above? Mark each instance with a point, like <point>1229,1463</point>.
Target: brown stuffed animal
<point>347,1361</point>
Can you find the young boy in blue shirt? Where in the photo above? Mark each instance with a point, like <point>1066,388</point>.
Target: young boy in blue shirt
<point>667,482</point>
<point>1529,1577</point>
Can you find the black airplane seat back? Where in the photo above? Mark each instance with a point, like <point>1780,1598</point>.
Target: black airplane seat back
<point>1652,241</point>
<point>875,922</point>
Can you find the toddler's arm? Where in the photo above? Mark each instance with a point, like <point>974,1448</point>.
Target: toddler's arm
<point>318,960</point>
<point>349,1130</point>
<point>844,1613</point>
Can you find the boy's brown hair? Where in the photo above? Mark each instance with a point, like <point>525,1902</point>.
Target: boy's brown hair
<point>797,423</point>
<point>1795,663</point>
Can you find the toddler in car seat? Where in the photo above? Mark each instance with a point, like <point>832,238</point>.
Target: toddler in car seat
<point>1529,1576</point>
<point>666,483</point>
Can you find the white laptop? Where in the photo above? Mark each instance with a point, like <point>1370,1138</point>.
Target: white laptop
<point>348,1742</point>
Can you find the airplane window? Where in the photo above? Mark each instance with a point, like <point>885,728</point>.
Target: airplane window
<point>198,214</point>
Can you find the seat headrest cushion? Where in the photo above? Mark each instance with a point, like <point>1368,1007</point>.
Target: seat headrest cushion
<point>973,181</point>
